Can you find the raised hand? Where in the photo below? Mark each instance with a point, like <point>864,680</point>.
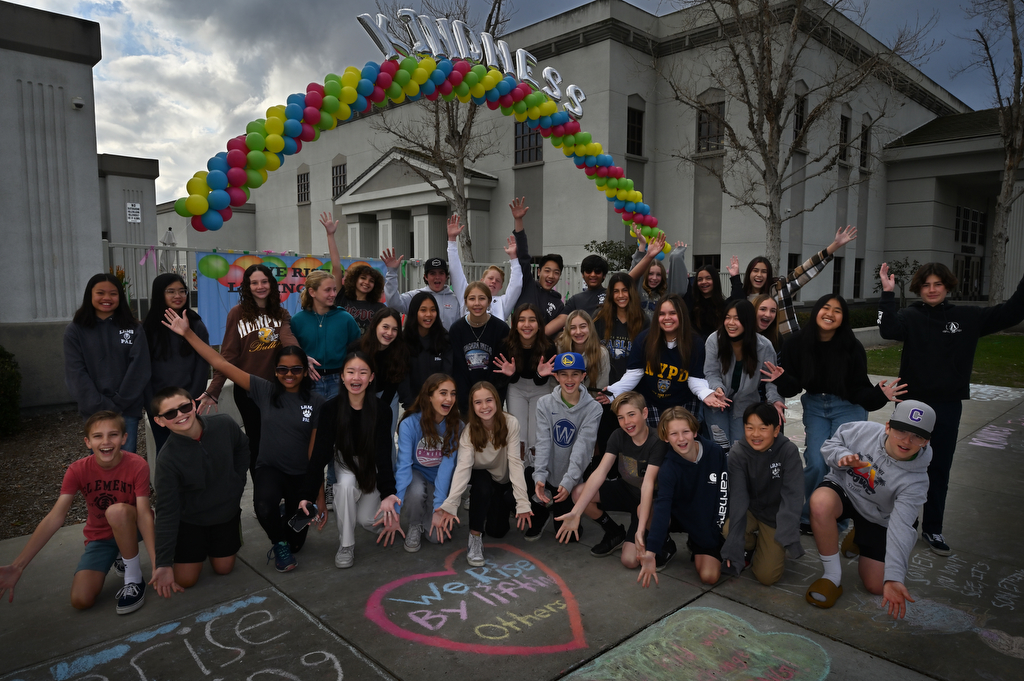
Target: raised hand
<point>888,280</point>
<point>893,389</point>
<point>172,321</point>
<point>454,228</point>
<point>330,224</point>
<point>546,368</point>
<point>679,244</point>
<point>734,266</point>
<point>511,250</point>
<point>518,208</point>
<point>505,366</point>
<point>390,260</point>
<point>772,372</point>
<point>845,235</point>
<point>657,245</point>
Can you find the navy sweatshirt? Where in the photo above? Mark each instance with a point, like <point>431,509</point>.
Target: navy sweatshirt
<point>106,367</point>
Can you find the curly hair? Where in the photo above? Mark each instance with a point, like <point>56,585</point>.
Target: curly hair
<point>352,276</point>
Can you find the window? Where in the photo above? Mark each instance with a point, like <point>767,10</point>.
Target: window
<point>969,227</point>
<point>799,116</point>
<point>710,129</point>
<point>528,144</point>
<point>837,276</point>
<point>302,185</point>
<point>844,138</point>
<point>865,146</point>
<point>339,179</point>
<point>634,132</point>
<point>858,276</point>
<point>712,260</point>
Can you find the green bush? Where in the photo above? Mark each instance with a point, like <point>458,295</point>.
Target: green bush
<point>10,394</point>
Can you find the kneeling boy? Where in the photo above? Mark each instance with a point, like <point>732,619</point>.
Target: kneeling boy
<point>639,453</point>
<point>200,476</point>
<point>879,478</point>
<point>766,494</point>
<point>115,484</point>
<point>568,418</point>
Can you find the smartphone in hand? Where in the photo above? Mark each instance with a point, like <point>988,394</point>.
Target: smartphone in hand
<point>300,520</point>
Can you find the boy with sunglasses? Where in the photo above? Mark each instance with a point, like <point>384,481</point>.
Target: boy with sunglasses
<point>115,484</point>
<point>200,476</point>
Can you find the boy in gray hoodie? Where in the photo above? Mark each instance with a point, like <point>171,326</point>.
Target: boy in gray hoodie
<point>765,496</point>
<point>571,416</point>
<point>878,477</point>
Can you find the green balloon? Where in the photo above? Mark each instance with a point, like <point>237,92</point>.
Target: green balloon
<point>180,209</point>
<point>480,70</point>
<point>332,88</point>
<point>316,134</point>
<point>402,77</point>
<point>255,141</point>
<point>583,138</point>
<point>556,141</point>
<point>471,79</point>
<point>461,89</point>
<point>569,140</point>
<point>613,183</point>
<point>450,97</point>
<point>257,160</point>
<point>331,103</point>
<point>507,110</point>
<point>394,90</point>
<point>213,266</point>
<point>254,178</point>
<point>601,181</point>
<point>257,127</point>
<point>629,185</point>
<point>275,262</point>
<point>331,77</point>
<point>520,107</point>
<point>246,190</point>
<point>409,64</point>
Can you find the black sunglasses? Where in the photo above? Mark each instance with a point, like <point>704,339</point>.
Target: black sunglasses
<point>294,371</point>
<point>184,409</point>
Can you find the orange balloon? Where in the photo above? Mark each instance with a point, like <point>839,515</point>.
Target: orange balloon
<point>246,261</point>
<point>306,264</point>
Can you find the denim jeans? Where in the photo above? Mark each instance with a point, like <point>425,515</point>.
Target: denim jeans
<point>131,426</point>
<point>729,422</point>
<point>823,414</point>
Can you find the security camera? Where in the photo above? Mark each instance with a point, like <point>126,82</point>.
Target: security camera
<point>78,103</point>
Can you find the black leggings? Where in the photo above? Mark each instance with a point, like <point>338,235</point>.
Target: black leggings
<point>252,421</point>
<point>488,504</point>
<point>270,485</point>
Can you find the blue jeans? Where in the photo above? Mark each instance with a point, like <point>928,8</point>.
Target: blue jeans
<point>131,425</point>
<point>823,414</point>
<point>730,422</point>
<point>328,387</point>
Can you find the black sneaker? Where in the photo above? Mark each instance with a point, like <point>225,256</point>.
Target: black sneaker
<point>937,543</point>
<point>119,565</point>
<point>131,597</point>
<point>536,529</point>
<point>613,538</point>
<point>805,528</point>
<point>747,557</point>
<point>281,553</point>
<point>667,551</point>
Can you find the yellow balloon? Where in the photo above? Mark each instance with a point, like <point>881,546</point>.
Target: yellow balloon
<point>597,148</point>
<point>639,195</point>
<point>548,108</point>
<point>275,143</point>
<point>477,91</point>
<point>495,75</point>
<point>197,187</point>
<point>344,112</point>
<point>610,193</point>
<point>201,174</point>
<point>520,116</point>
<point>632,233</point>
<point>274,126</point>
<point>420,76</point>
<point>487,82</point>
<point>411,88</point>
<point>581,149</point>
<point>350,79</point>
<point>667,249</point>
<point>348,95</point>
<point>621,194</point>
<point>591,149</point>
<point>464,100</point>
<point>400,98</point>
<point>428,64</point>
<point>533,112</point>
<point>197,204</point>
<point>263,173</point>
<point>567,150</point>
<point>273,162</point>
<point>275,112</point>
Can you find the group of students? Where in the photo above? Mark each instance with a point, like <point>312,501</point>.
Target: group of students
<point>656,396</point>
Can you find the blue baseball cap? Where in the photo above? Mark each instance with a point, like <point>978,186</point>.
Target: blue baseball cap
<point>570,360</point>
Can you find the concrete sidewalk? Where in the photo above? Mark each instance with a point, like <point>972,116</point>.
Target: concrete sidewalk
<point>544,611</point>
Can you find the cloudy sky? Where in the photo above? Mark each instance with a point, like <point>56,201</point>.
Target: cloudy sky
<point>179,77</point>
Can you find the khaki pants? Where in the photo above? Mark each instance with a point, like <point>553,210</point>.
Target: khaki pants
<point>769,560</point>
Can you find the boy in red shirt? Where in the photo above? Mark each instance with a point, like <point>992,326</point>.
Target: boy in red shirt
<point>115,485</point>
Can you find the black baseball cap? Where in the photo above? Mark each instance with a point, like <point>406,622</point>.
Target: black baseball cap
<point>435,264</point>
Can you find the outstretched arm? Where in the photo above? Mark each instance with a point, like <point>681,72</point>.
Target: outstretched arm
<point>331,226</point>
<point>457,274</point>
<point>179,325</point>
<point>652,252</point>
<point>47,527</point>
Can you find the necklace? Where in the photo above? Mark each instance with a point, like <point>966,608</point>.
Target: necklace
<point>483,326</point>
<point>321,318</point>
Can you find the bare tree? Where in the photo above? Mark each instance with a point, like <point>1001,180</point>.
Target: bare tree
<point>997,51</point>
<point>446,135</point>
<point>754,52</point>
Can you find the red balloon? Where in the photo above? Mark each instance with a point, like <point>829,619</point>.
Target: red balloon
<point>238,197</point>
<point>506,100</point>
<point>544,132</point>
<point>445,88</point>
<point>197,223</point>
<point>581,165</point>
<point>378,94</point>
<point>237,158</point>
<point>493,106</point>
<point>558,131</point>
<point>310,116</point>
<point>455,78</point>
<point>315,100</point>
<point>308,133</point>
<point>226,213</point>
<point>389,67</point>
<point>433,96</point>
<point>525,87</point>
<point>517,94</point>
<point>590,171</point>
<point>619,210</point>
<point>315,87</point>
<point>626,215</point>
<point>298,145</point>
<point>233,279</point>
<point>235,143</point>
<point>602,171</point>
<point>652,221</point>
<point>462,66</point>
<point>384,80</point>
<point>237,177</point>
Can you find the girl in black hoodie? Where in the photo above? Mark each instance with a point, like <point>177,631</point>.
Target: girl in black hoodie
<point>430,351</point>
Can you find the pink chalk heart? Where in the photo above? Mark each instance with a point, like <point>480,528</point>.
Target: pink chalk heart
<point>514,605</point>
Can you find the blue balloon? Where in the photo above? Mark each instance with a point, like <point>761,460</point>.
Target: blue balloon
<point>212,220</point>
<point>611,199</point>
<point>365,87</point>
<point>428,87</point>
<point>293,111</point>
<point>446,66</point>
<point>370,71</point>
<point>222,154</point>
<point>217,163</point>
<point>415,97</point>
<point>591,161</point>
<point>289,146</point>
<point>630,207</point>
<point>480,100</point>
<point>296,98</point>
<point>545,121</point>
<point>217,179</point>
<point>619,203</point>
<point>492,95</point>
<point>359,104</point>
<point>292,127</point>
<point>218,198</point>
<point>280,157</point>
<point>532,123</point>
<point>437,77</point>
<point>503,88</point>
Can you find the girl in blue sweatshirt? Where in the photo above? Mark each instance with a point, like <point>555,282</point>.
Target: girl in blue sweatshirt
<point>428,439</point>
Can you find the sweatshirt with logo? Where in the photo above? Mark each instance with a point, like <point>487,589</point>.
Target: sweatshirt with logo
<point>250,345</point>
<point>415,453</point>
<point>449,298</point>
<point>106,367</point>
<point>565,438</point>
<point>886,491</point>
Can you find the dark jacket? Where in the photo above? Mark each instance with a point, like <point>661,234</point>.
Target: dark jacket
<point>939,342</point>
<point>323,449</point>
<point>190,372</point>
<point>199,482</point>
<point>421,365</point>
<point>770,485</point>
<point>106,367</point>
<point>549,303</point>
<point>840,371</point>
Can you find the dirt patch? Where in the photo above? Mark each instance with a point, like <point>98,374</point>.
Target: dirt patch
<point>32,466</point>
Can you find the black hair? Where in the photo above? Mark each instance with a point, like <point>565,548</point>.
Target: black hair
<point>748,286</point>
<point>305,386</point>
<point>393,360</point>
<point>553,257</point>
<point>436,341</point>
<point>251,310</point>
<point>768,414</point>
<point>157,335</point>
<point>707,313</point>
<point>86,314</point>
<point>809,341</point>
<point>748,320</point>
<point>358,457</point>
<point>594,263</point>
<point>169,391</point>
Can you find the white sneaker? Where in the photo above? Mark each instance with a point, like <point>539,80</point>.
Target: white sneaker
<point>412,539</point>
<point>329,497</point>
<point>345,557</point>
<point>475,555</point>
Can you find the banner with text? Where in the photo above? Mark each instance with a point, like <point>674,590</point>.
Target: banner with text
<point>220,277</point>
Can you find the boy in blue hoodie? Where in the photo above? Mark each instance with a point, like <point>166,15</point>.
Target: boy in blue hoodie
<point>571,416</point>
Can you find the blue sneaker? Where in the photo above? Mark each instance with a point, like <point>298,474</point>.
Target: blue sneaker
<point>131,597</point>
<point>284,561</point>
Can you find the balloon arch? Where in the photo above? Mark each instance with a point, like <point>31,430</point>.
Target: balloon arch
<point>233,174</point>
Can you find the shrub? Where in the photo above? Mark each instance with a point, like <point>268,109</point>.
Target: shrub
<point>10,394</point>
<point>617,253</point>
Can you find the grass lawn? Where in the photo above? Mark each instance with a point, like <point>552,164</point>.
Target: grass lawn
<point>999,360</point>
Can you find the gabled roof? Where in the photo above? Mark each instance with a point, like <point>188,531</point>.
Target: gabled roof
<point>950,128</point>
<point>412,158</point>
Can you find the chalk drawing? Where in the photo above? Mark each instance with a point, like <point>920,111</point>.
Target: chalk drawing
<point>995,393</point>
<point>515,605</point>
<point>705,644</point>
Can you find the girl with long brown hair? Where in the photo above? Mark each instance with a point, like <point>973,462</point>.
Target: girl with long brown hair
<point>476,340</point>
<point>580,336</point>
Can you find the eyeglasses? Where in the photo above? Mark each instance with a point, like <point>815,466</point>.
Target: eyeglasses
<point>175,291</point>
<point>913,438</point>
<point>284,371</point>
<point>184,409</point>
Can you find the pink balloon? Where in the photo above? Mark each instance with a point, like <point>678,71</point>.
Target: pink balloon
<point>237,177</point>
<point>233,279</point>
<point>235,143</point>
<point>493,106</point>
<point>602,171</point>
<point>433,96</point>
<point>237,195</point>
<point>591,171</point>
<point>445,88</point>
<point>237,158</point>
<point>506,100</point>
<point>378,94</point>
<point>197,223</point>
<point>314,99</point>
<point>652,221</point>
<point>517,93</point>
<point>383,79</point>
<point>226,213</point>
<point>455,78</point>
<point>311,116</point>
<point>462,66</point>
<point>298,144</point>
<point>308,133</point>
<point>389,67</point>
<point>527,90</point>
<point>315,87</point>
<point>558,131</point>
<point>626,215</point>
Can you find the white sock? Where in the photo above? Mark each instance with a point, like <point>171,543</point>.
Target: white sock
<point>132,570</point>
